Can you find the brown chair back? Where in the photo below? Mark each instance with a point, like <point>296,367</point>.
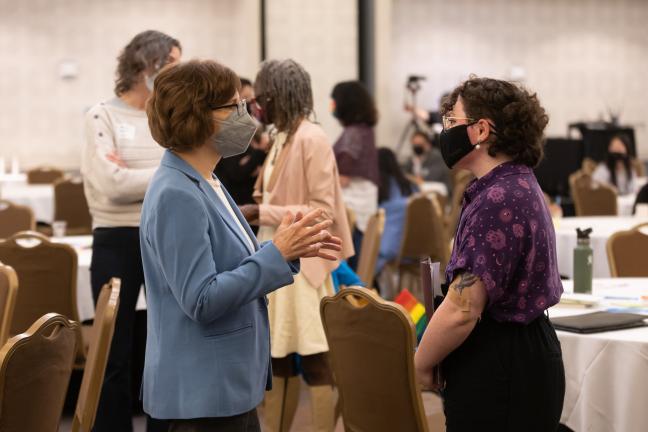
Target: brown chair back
<point>43,175</point>
<point>95,367</point>
<point>371,247</point>
<point>48,278</point>
<point>371,350</point>
<point>70,205</point>
<point>35,369</point>
<point>638,167</point>
<point>592,198</point>
<point>8,292</point>
<point>424,231</point>
<point>15,218</point>
<point>351,219</point>
<point>625,251</point>
<point>588,166</point>
<point>461,180</point>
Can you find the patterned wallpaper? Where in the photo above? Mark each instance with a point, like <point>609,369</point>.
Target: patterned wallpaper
<point>41,115</point>
<point>581,56</point>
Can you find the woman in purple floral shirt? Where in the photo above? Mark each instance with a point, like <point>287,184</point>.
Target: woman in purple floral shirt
<point>500,356</point>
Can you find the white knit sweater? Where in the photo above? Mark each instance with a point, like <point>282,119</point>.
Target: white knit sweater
<point>115,193</point>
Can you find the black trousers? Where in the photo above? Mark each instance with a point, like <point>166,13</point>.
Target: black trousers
<point>505,377</point>
<point>246,422</point>
<point>116,253</point>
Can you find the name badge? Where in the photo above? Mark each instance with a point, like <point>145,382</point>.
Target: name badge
<point>125,131</point>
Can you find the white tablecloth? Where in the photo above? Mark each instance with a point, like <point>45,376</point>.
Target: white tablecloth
<point>438,187</point>
<point>603,227</point>
<point>12,178</point>
<point>85,303</point>
<point>606,373</point>
<point>625,204</point>
<point>40,198</point>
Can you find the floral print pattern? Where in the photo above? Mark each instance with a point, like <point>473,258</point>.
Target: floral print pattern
<point>506,237</point>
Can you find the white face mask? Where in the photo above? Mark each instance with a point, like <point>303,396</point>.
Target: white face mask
<point>234,134</point>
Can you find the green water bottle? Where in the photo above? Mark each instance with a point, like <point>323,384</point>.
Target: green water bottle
<point>583,262</point>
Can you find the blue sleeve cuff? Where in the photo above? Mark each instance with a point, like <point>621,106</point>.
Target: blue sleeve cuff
<point>294,265</point>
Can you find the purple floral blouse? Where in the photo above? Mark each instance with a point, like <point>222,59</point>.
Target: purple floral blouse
<point>506,237</point>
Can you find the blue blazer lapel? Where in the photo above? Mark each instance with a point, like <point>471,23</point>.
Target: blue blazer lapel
<point>241,219</point>
<point>171,160</point>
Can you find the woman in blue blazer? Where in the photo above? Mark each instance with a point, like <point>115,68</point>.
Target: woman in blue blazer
<point>208,348</point>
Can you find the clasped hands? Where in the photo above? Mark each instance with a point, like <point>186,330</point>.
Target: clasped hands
<point>300,236</point>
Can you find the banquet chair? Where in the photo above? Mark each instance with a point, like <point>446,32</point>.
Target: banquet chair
<point>461,180</point>
<point>70,205</point>
<point>15,218</point>
<point>588,165</point>
<point>638,167</point>
<point>351,219</point>
<point>382,394</point>
<point>35,369</point>
<point>424,236</point>
<point>43,175</point>
<point>47,273</point>
<point>95,367</point>
<point>625,251</point>
<point>8,291</point>
<point>371,247</point>
<point>592,198</point>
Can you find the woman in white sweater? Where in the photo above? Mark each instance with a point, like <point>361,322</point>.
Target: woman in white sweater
<point>118,161</point>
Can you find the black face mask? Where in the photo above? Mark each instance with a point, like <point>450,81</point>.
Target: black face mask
<point>616,156</point>
<point>418,150</point>
<point>455,144</point>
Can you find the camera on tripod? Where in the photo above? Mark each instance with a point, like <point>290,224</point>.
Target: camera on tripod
<point>414,83</point>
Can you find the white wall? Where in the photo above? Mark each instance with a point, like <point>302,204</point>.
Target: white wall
<point>322,36</point>
<point>41,115</point>
<point>579,55</point>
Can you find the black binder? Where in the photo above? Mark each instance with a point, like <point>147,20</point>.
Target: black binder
<point>597,322</point>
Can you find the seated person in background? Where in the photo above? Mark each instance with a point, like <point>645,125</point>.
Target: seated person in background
<point>426,163</point>
<point>642,198</point>
<point>239,173</point>
<point>393,191</point>
<point>616,170</point>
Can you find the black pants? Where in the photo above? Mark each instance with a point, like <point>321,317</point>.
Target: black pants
<point>247,422</point>
<point>505,377</point>
<point>116,253</point>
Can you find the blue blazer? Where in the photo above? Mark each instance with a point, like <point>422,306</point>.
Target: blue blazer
<point>208,344</point>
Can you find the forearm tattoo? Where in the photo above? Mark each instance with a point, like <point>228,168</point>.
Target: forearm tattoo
<point>459,292</point>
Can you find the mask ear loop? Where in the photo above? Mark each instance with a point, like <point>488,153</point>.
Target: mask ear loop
<point>492,131</point>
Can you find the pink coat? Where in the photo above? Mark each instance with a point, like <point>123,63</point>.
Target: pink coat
<point>305,177</point>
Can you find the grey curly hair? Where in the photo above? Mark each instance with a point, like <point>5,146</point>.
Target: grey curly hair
<point>148,50</point>
<point>288,86</point>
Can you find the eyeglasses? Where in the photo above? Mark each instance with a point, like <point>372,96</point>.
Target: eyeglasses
<point>241,107</point>
<point>449,121</point>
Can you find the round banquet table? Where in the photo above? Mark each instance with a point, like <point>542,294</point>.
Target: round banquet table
<point>38,197</point>
<point>606,374</point>
<point>602,228</point>
<point>83,246</point>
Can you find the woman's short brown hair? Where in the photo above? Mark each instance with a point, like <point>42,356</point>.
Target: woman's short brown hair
<point>180,107</point>
<point>519,118</point>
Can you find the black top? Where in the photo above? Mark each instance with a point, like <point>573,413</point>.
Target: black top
<point>239,173</point>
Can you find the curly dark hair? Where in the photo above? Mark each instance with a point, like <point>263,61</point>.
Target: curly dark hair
<point>354,104</point>
<point>147,50</point>
<point>518,117</point>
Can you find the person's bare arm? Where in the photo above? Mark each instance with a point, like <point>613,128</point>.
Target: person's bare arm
<point>451,324</point>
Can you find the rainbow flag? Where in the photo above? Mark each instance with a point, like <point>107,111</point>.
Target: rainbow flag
<point>415,309</point>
